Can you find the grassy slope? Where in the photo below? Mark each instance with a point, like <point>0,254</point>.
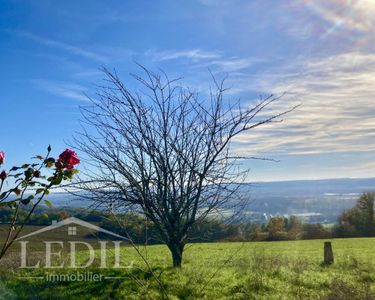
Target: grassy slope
<point>274,270</point>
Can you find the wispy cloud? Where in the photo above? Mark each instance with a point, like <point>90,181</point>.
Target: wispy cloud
<point>337,114</point>
<point>230,64</point>
<point>364,166</point>
<point>197,58</point>
<point>63,46</point>
<point>235,64</point>
<point>336,93</point>
<point>61,89</point>
<point>194,54</point>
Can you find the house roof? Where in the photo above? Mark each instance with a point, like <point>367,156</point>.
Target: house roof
<point>73,220</point>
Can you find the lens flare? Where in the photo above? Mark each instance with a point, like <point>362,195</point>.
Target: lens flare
<point>357,17</point>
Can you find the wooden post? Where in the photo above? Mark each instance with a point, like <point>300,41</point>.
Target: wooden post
<point>328,253</point>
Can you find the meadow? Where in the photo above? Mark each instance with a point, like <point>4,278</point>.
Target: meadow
<point>258,270</point>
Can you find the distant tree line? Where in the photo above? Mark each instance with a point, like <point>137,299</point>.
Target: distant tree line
<point>358,221</point>
<point>45,216</point>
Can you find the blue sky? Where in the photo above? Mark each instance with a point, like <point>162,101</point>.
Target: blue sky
<point>320,52</point>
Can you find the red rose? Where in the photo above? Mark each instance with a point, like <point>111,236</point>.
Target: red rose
<point>3,175</point>
<point>2,155</point>
<point>68,159</point>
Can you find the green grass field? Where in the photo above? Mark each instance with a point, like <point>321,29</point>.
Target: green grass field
<point>264,270</point>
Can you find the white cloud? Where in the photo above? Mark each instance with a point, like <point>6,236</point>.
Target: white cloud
<point>232,64</point>
<point>200,59</point>
<point>337,112</point>
<point>195,54</point>
<point>63,46</point>
<point>61,89</point>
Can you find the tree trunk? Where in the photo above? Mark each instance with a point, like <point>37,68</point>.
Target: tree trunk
<point>176,249</point>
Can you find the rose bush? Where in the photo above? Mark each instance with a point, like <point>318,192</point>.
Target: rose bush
<point>2,155</point>
<point>29,184</point>
<point>68,159</point>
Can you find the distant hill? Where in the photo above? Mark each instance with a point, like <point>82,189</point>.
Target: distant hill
<point>313,200</point>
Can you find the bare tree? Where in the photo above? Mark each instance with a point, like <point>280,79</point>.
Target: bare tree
<point>164,152</point>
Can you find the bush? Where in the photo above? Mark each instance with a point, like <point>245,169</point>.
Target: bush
<point>315,231</point>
